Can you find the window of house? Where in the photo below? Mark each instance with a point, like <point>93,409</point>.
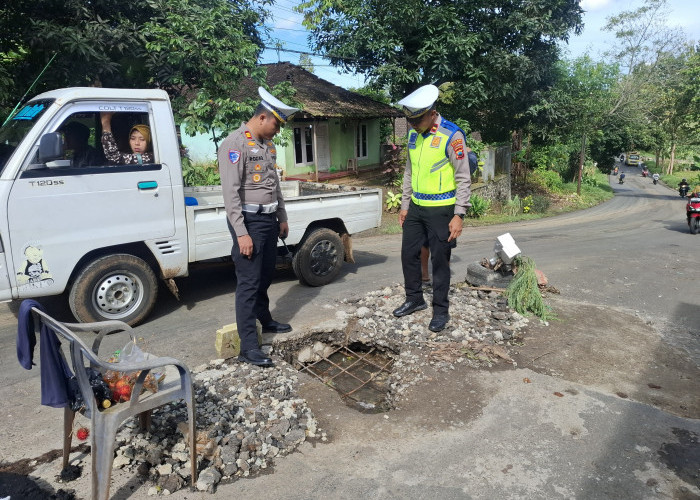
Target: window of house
<point>303,144</point>
<point>361,141</point>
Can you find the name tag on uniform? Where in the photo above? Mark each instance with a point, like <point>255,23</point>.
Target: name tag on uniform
<point>412,140</point>
<point>256,158</point>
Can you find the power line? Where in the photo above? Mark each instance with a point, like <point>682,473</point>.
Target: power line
<point>325,56</point>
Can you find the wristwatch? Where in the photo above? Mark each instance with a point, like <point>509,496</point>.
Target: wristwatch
<point>461,216</point>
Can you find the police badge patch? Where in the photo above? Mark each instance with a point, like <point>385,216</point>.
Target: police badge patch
<point>234,156</point>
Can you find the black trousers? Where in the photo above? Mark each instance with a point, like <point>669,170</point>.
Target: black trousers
<point>429,224</point>
<point>254,275</point>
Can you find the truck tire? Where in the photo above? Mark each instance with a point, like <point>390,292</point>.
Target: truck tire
<point>318,260</point>
<point>119,286</point>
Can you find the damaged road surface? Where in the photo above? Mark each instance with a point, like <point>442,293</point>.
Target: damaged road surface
<point>601,403</point>
<point>551,411</point>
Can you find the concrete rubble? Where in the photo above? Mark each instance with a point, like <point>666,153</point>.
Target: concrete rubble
<point>248,417</point>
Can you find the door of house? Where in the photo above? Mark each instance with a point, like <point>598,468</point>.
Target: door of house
<point>323,152</point>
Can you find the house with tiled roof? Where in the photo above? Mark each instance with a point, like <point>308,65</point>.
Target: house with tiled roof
<point>337,131</point>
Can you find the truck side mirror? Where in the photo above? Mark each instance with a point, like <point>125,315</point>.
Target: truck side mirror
<point>51,147</point>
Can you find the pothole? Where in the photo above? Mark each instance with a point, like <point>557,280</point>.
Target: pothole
<point>359,372</point>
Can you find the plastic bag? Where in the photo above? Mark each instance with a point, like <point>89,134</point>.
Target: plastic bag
<point>121,383</point>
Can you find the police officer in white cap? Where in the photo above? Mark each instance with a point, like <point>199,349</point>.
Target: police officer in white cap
<point>256,218</point>
<point>436,191</point>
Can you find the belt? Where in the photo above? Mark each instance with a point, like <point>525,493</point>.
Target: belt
<point>435,197</point>
<point>270,208</point>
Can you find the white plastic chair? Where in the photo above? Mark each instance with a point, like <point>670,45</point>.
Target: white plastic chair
<point>176,385</point>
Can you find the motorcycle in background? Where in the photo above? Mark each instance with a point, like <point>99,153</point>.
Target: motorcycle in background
<point>622,178</point>
<point>656,178</point>
<point>645,172</point>
<point>692,211</point>
<point>683,190</point>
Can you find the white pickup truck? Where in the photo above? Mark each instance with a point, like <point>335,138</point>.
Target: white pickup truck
<point>105,232</point>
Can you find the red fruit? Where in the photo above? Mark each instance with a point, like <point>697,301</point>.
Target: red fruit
<point>122,390</point>
<point>82,433</point>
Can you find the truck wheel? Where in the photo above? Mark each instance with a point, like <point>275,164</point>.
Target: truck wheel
<point>318,260</point>
<point>119,286</point>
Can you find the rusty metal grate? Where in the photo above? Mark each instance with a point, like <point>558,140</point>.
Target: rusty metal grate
<point>359,376</point>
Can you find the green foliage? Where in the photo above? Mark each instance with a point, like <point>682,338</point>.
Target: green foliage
<point>524,295</point>
<point>199,174</point>
<point>513,207</point>
<point>196,50</point>
<point>547,179</point>
<point>540,204</point>
<point>479,206</point>
<point>495,57</point>
<point>306,62</point>
<point>393,201</point>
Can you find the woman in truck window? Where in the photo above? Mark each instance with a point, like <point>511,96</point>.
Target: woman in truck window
<point>139,142</point>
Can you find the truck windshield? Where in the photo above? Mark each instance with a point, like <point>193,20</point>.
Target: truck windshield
<point>14,131</point>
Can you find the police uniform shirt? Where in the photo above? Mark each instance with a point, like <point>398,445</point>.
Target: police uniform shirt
<point>248,176</point>
<point>460,162</point>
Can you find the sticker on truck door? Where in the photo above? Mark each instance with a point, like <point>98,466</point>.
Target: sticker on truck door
<point>34,272</point>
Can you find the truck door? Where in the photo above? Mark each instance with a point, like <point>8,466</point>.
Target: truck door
<point>60,211</point>
<point>4,275</point>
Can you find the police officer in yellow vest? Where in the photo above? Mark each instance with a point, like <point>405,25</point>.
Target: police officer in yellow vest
<point>436,190</point>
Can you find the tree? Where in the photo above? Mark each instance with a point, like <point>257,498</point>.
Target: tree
<point>496,54</point>
<point>676,106</point>
<point>306,63</point>
<point>197,50</point>
<point>580,102</point>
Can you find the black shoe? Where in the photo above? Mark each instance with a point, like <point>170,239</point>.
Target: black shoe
<point>439,322</point>
<point>275,327</point>
<point>255,357</point>
<point>409,307</point>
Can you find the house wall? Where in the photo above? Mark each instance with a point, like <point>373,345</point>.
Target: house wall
<point>200,147</point>
<point>342,144</point>
<point>341,134</point>
<point>341,138</point>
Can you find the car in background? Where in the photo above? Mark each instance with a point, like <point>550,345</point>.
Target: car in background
<point>632,158</point>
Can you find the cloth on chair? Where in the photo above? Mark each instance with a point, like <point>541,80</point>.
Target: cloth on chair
<point>55,373</point>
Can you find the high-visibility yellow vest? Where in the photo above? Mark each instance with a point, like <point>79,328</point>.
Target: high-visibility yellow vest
<point>432,174</point>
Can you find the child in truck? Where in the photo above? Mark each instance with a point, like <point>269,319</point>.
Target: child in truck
<point>139,141</point>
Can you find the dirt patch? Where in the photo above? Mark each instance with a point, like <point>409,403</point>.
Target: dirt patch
<point>614,351</point>
<point>587,345</point>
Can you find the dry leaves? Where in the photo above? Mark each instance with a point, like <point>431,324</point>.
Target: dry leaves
<point>451,351</point>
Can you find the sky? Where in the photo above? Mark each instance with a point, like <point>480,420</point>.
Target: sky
<point>287,28</point>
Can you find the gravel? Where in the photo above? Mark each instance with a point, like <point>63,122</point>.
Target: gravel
<point>248,417</point>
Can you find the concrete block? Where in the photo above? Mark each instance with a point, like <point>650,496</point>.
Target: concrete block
<point>228,343</point>
<point>506,248</point>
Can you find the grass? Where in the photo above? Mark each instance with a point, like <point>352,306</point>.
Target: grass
<point>562,202</point>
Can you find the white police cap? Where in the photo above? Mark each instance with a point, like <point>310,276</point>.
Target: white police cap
<point>277,107</point>
<point>419,101</point>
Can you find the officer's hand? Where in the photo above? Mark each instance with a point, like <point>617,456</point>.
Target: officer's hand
<point>455,228</point>
<point>402,216</point>
<point>245,243</point>
<point>284,230</point>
